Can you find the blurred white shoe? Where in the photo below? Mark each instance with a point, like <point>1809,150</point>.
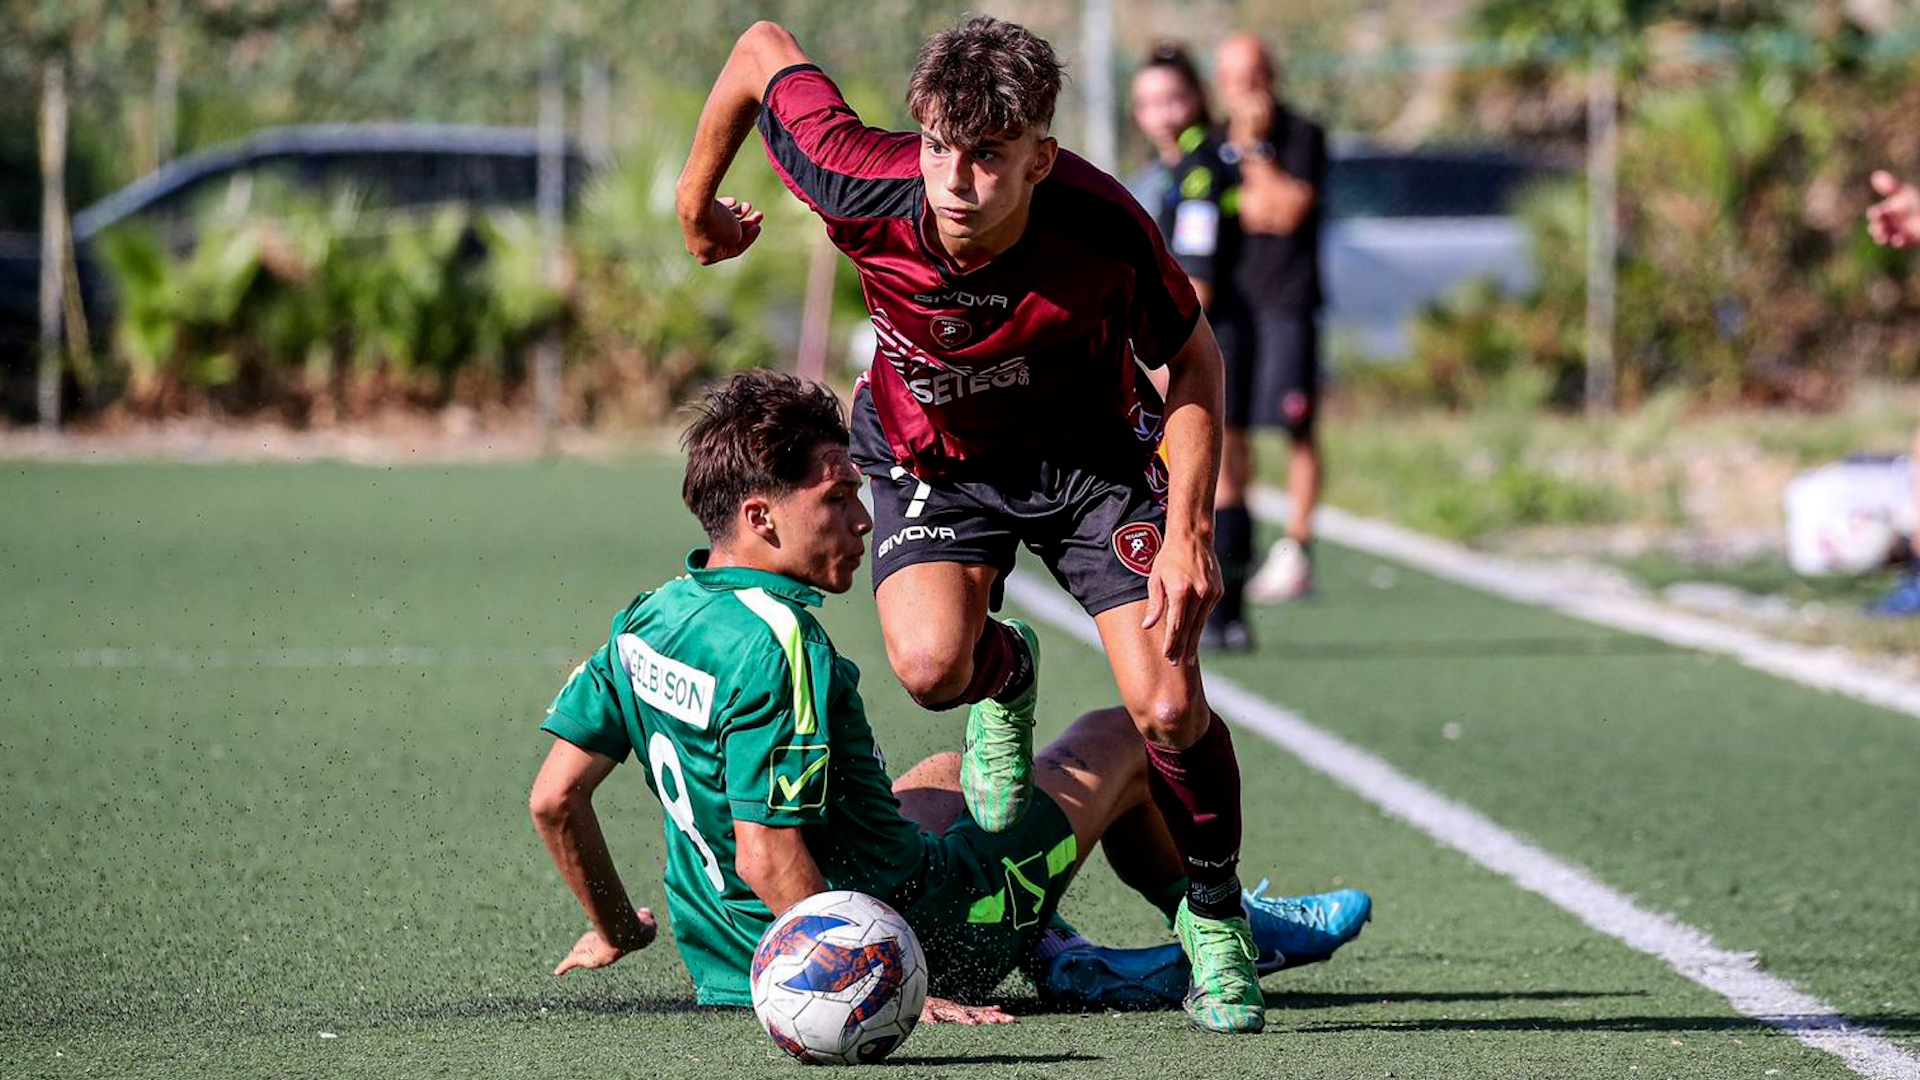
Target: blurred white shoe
<point>1287,574</point>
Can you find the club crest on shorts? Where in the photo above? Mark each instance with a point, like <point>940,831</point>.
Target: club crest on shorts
<point>1136,544</point>
<point>951,332</point>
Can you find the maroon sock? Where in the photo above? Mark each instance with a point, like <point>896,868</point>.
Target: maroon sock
<point>1000,663</point>
<point>1198,793</point>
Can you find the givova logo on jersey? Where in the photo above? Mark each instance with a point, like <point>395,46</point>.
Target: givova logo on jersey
<point>914,533</point>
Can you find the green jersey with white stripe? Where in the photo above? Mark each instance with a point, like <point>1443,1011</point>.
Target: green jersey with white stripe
<point>732,698</point>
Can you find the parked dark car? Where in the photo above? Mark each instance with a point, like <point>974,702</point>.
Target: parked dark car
<point>1403,228</point>
<point>392,165</point>
<point>1407,228</point>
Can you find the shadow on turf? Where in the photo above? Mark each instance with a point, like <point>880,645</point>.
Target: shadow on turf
<point>990,1059</point>
<point>527,1006</point>
<point>1885,1023</point>
<point>1302,1002</point>
<point>1282,1000</point>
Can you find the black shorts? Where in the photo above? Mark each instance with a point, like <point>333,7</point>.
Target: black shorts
<point>1273,369</point>
<point>1095,529</point>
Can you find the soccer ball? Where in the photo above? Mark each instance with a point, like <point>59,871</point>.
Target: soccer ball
<point>839,979</point>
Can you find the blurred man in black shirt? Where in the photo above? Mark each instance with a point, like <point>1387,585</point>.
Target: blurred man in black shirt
<point>1282,161</point>
<point>1194,194</point>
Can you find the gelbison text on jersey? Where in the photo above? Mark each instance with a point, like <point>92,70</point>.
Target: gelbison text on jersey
<point>1040,350</point>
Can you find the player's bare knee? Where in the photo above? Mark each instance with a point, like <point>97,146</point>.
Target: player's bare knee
<point>933,679</point>
<point>1170,720</point>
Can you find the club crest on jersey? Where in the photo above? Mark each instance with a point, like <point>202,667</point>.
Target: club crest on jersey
<point>1136,544</point>
<point>951,332</point>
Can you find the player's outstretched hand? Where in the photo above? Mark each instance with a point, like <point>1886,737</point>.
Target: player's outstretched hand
<point>593,950</point>
<point>1895,219</point>
<point>942,1011</point>
<point>1184,586</point>
<point>728,228</point>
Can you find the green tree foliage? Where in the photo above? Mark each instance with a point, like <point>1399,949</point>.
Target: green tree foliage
<point>321,309</point>
<point>317,306</point>
<point>329,309</point>
<point>1745,271</point>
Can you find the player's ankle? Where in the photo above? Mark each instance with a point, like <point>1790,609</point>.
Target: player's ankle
<point>1216,900</point>
<point>1020,680</point>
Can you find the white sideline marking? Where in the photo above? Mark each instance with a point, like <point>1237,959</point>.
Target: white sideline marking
<point>1689,951</point>
<point>1822,669</point>
<point>384,656</point>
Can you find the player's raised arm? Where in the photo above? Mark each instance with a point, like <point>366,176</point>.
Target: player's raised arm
<point>720,228</point>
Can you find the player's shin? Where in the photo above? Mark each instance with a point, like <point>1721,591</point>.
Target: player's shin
<point>1198,792</point>
<point>1003,667</point>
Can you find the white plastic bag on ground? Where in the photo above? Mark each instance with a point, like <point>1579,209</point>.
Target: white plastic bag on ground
<point>1850,517</point>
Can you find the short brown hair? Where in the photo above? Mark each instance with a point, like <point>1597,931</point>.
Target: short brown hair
<point>755,435</point>
<point>984,79</point>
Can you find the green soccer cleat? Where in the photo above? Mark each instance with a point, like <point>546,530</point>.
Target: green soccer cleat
<point>996,768</point>
<point>1225,995</point>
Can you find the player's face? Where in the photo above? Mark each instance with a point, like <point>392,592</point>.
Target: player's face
<point>1163,105</point>
<point>822,526</point>
<point>978,194</point>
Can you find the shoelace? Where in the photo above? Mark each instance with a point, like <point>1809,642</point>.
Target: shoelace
<point>1000,739</point>
<point>1314,915</point>
<point>1210,972</point>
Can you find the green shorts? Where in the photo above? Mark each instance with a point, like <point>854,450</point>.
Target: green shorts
<point>987,895</point>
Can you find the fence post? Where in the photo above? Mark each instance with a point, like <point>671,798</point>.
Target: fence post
<point>53,239</point>
<point>550,197</point>
<point>1101,141</point>
<point>596,110</point>
<point>1603,240</point>
<point>166,82</point>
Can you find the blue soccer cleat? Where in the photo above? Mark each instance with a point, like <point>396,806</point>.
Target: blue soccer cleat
<point>1068,971</point>
<point>1094,976</point>
<point>1290,931</point>
<point>1903,602</point>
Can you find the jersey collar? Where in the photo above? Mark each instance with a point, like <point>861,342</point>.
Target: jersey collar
<point>740,577</point>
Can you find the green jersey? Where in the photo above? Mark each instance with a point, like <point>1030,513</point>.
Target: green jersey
<point>731,696</point>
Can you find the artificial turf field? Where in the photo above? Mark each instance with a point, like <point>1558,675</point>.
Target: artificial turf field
<point>268,733</point>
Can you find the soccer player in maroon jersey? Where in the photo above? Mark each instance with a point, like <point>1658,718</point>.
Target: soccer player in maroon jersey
<point>1019,296</point>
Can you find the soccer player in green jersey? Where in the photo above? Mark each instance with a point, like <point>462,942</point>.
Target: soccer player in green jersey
<point>750,730</point>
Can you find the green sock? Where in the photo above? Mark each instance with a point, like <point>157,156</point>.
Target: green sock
<point>1165,896</point>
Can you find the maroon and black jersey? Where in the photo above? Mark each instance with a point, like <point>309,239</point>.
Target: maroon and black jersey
<point>1033,353</point>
